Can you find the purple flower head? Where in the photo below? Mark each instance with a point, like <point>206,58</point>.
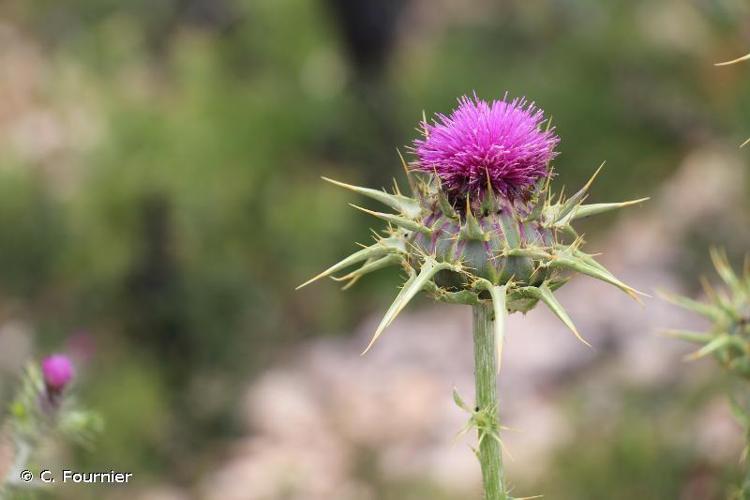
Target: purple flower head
<point>57,370</point>
<point>501,142</point>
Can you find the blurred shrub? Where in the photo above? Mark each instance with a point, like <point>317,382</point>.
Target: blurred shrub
<point>31,234</point>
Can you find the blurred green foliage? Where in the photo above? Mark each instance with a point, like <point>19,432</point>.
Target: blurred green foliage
<point>634,444</point>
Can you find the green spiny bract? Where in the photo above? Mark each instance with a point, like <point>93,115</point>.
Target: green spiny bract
<point>728,338</point>
<point>512,252</point>
<point>728,309</point>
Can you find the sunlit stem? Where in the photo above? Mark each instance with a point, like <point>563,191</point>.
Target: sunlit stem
<point>485,372</point>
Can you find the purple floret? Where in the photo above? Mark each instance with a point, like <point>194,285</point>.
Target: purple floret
<point>501,141</point>
<point>57,370</point>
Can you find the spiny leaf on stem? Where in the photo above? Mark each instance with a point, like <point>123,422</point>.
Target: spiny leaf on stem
<point>509,226</point>
<point>544,294</point>
<point>464,297</point>
<point>588,210</point>
<point>444,205</point>
<point>716,344</point>
<point>396,220</point>
<point>725,271</point>
<point>599,273</point>
<point>369,267</point>
<point>708,310</point>
<point>373,251</point>
<point>407,206</point>
<point>471,230</point>
<point>689,336</point>
<point>409,175</point>
<point>577,198</point>
<point>412,287</point>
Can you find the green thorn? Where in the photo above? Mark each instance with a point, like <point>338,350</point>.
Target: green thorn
<point>600,273</point>
<point>445,205</point>
<point>537,253</point>
<point>725,271</point>
<point>583,211</point>
<point>720,300</point>
<point>544,294</point>
<point>577,198</point>
<point>471,230</point>
<point>413,285</point>
<point>369,267</point>
<point>555,284</point>
<point>538,210</point>
<point>707,310</point>
<point>510,227</point>
<point>459,401</point>
<point>464,297</point>
<point>375,250</point>
<point>409,174</point>
<point>490,200</point>
<point>396,188</point>
<point>716,344</point>
<point>734,61</point>
<point>569,231</point>
<point>688,335</point>
<point>547,182</point>
<point>407,206</point>
<point>396,220</point>
<point>588,259</point>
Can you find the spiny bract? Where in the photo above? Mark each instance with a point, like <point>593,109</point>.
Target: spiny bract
<point>728,340</point>
<point>508,240</point>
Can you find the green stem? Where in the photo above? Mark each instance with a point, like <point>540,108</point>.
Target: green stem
<point>485,371</point>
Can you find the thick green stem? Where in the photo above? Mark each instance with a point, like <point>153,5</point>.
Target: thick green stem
<point>485,371</point>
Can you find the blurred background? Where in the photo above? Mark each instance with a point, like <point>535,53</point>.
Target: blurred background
<point>160,200</point>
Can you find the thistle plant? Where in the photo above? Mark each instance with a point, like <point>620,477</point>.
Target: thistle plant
<point>728,338</point>
<point>480,227</point>
<point>42,406</point>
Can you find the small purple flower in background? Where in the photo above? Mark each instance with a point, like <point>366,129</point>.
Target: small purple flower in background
<point>58,371</point>
<point>501,141</point>
<point>41,411</point>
